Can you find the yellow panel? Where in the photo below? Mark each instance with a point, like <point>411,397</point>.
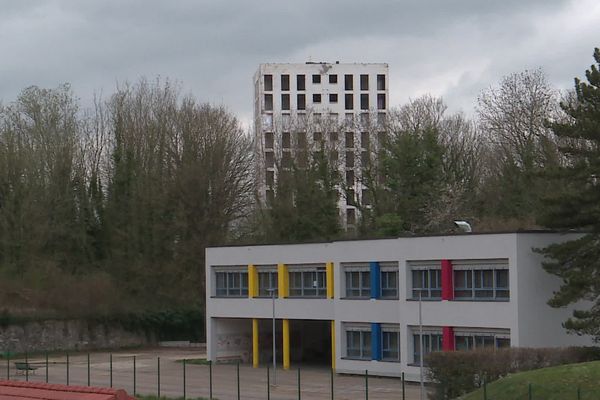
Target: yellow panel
<point>333,345</point>
<point>255,350</point>
<point>283,281</point>
<point>252,281</point>
<point>329,273</point>
<point>286,344</point>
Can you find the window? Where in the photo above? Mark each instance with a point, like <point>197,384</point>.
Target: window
<point>267,280</point>
<point>267,120</point>
<point>285,101</point>
<point>350,178</point>
<point>268,102</point>
<point>333,137</point>
<point>285,140</point>
<point>316,98</point>
<point>286,121</point>
<point>358,343</point>
<point>381,82</point>
<point>427,282</point>
<point>364,101</point>
<point>432,341</point>
<point>358,282</point>
<point>286,159</point>
<point>348,84</point>
<point>350,200</point>
<point>349,140</point>
<point>350,159</point>
<point>308,283</point>
<point>301,99</point>
<point>269,159</point>
<point>317,137</point>
<point>350,216</point>
<point>465,341</point>
<point>364,140</point>
<point>285,82</point>
<point>232,283</point>
<point>300,82</point>
<point>270,176</point>
<point>333,156</point>
<point>381,101</point>
<point>268,82</point>
<point>390,345</point>
<point>349,102</point>
<point>316,78</point>
<point>364,158</point>
<point>349,119</point>
<point>269,140</point>
<point>333,98</point>
<point>381,119</point>
<point>389,278</point>
<point>301,139</point>
<point>332,78</point>
<point>366,201</point>
<point>364,82</point>
<point>365,120</point>
<point>489,284</point>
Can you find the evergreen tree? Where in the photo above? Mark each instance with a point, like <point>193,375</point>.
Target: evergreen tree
<point>576,204</point>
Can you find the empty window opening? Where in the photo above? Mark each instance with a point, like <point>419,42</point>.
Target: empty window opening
<point>348,82</point>
<point>316,78</point>
<point>285,82</point>
<point>300,82</point>
<point>285,101</point>
<point>381,101</point>
<point>316,98</point>
<point>364,101</point>
<point>364,82</point>
<point>301,100</point>
<point>269,139</point>
<point>333,98</point>
<point>332,78</point>
<point>285,140</point>
<point>268,102</point>
<point>349,101</point>
<point>380,82</point>
<point>268,82</point>
<point>349,142</point>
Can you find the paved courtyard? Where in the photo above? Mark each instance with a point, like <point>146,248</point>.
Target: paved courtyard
<point>315,381</point>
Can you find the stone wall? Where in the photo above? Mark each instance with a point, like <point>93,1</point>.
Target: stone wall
<point>68,335</point>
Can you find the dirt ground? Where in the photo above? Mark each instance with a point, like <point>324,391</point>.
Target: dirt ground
<point>315,382</point>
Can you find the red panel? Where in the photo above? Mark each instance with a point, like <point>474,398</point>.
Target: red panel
<point>36,390</point>
<point>448,338</point>
<point>447,281</point>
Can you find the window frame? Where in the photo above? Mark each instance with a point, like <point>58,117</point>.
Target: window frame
<point>475,284</point>
<point>426,289</point>
<point>273,283</point>
<point>229,289</point>
<point>387,271</point>
<point>385,344</point>
<point>304,291</point>
<point>363,351</point>
<point>363,290</point>
<point>429,338</point>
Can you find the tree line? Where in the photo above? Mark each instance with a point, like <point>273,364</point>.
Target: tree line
<point>110,209</point>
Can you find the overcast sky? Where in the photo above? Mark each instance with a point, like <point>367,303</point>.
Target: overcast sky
<point>450,48</point>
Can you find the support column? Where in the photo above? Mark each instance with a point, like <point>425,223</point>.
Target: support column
<point>375,280</point>
<point>447,338</point>
<point>329,279</point>
<point>286,344</point>
<point>447,280</point>
<point>283,281</point>
<point>252,281</point>
<point>375,341</point>
<point>333,345</point>
<point>255,349</point>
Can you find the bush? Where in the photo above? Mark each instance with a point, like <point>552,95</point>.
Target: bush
<point>458,372</point>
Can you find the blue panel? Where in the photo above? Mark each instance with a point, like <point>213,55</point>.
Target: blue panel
<point>375,280</point>
<point>375,341</point>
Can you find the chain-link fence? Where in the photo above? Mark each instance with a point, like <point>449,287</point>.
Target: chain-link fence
<point>166,375</point>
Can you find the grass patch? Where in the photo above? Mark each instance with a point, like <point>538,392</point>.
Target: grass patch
<point>553,383</point>
<point>195,361</point>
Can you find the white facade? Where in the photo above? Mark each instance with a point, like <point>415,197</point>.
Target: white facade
<point>337,104</point>
<point>509,309</point>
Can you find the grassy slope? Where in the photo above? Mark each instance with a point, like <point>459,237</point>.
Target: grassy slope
<point>554,383</point>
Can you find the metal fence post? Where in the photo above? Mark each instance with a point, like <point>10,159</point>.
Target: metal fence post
<point>403,388</point>
<point>158,375</point>
<point>366,384</point>
<point>88,366</point>
<point>268,384</point>
<point>210,394</point>
<point>331,380</point>
<point>134,376</point>
<point>578,393</point>
<point>529,392</point>
<point>47,367</point>
<point>67,369</point>
<point>238,380</point>
<point>111,370</point>
<point>7,365</point>
<point>299,391</point>
<point>184,379</point>
<point>26,367</point>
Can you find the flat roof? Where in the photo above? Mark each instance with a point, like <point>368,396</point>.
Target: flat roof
<point>406,236</point>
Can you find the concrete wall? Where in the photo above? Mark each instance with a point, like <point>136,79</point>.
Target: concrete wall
<point>67,335</point>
